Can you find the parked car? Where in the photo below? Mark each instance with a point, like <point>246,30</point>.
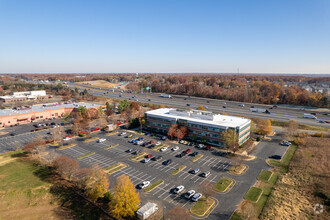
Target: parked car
<point>122,133</point>
<point>163,149</point>
<point>241,105</point>
<point>140,139</point>
<point>137,152</point>
<point>205,174</point>
<point>175,148</point>
<point>131,141</point>
<point>194,171</point>
<point>143,185</point>
<point>200,146</point>
<point>12,134</point>
<point>101,140</point>
<point>147,133</point>
<point>158,143</point>
<point>130,150</point>
<point>67,138</point>
<point>189,194</point>
<point>178,189</point>
<point>224,107</point>
<point>285,143</point>
<point>196,197</point>
<point>145,160</point>
<point>181,142</point>
<point>157,158</point>
<point>194,154</point>
<point>149,156</point>
<point>130,135</point>
<point>276,157</point>
<point>188,151</point>
<point>164,138</point>
<point>167,162</point>
<point>182,154</point>
<point>207,147</point>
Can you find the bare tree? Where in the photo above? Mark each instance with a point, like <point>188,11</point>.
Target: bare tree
<point>207,189</point>
<point>292,128</point>
<point>66,166</point>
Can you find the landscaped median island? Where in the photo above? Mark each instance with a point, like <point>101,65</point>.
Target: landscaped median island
<point>85,155</point>
<point>264,175</point>
<point>157,148</point>
<point>111,133</point>
<point>223,184</point>
<point>138,157</point>
<point>114,168</point>
<point>202,206</point>
<point>238,169</point>
<point>66,146</point>
<point>154,186</point>
<point>91,139</point>
<point>178,170</point>
<point>111,146</point>
<point>253,194</point>
<point>199,156</point>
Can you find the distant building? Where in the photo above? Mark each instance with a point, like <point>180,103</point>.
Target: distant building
<point>28,114</point>
<point>203,126</point>
<point>24,96</point>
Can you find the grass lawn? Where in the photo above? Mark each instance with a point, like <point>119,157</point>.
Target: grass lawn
<point>223,184</point>
<point>197,157</point>
<point>66,146</point>
<point>111,133</point>
<point>253,194</point>
<point>154,186</point>
<point>116,167</point>
<point>264,175</point>
<point>284,163</point>
<point>237,169</point>
<point>201,206</point>
<point>85,155</point>
<point>112,146</point>
<point>24,195</point>
<point>91,139</point>
<point>178,170</point>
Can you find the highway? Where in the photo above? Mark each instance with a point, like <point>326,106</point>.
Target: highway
<point>231,107</point>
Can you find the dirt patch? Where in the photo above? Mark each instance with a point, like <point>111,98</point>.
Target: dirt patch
<point>101,83</point>
<point>7,160</point>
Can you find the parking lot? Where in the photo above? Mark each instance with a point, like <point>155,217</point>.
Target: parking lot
<point>213,161</point>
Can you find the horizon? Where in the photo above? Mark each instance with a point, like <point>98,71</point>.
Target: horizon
<point>185,37</point>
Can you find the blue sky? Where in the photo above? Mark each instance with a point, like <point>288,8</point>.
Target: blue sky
<point>103,36</point>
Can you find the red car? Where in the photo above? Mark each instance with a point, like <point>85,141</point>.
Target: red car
<point>149,155</point>
<point>187,151</point>
<point>151,142</point>
<point>69,136</point>
<point>207,147</point>
<point>313,113</point>
<point>328,122</point>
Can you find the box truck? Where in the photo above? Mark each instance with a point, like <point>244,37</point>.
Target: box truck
<point>147,210</point>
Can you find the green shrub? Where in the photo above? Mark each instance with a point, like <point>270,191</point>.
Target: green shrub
<point>107,197</point>
<point>258,139</point>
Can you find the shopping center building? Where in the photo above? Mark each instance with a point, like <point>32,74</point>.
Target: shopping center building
<point>26,114</point>
<point>203,126</point>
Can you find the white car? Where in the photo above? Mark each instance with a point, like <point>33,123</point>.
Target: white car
<point>175,148</point>
<point>145,160</point>
<point>163,149</point>
<point>144,184</point>
<point>241,105</point>
<point>178,189</point>
<point>122,133</point>
<point>181,142</point>
<point>101,140</point>
<point>196,197</point>
<point>189,194</point>
<point>158,143</point>
<point>67,139</point>
<point>201,146</point>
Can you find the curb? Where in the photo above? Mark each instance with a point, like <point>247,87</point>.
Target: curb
<point>208,211</point>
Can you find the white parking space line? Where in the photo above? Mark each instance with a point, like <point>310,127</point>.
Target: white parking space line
<point>212,180</point>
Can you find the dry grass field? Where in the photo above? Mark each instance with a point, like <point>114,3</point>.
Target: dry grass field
<point>100,83</point>
<point>305,185</point>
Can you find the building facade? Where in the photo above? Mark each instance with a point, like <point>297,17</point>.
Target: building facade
<point>24,115</point>
<point>203,126</point>
<point>24,96</point>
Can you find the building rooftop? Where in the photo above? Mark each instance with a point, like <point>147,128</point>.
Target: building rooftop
<point>46,106</point>
<point>202,117</point>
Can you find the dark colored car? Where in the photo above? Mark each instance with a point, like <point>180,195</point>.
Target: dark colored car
<point>182,154</point>
<point>208,101</point>
<point>188,104</point>
<point>167,162</point>
<point>276,157</point>
<point>140,138</point>
<point>224,107</point>
<point>12,134</point>
<point>129,150</point>
<point>194,154</point>
<point>157,158</point>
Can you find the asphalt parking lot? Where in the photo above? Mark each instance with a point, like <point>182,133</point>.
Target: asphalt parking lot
<point>213,161</point>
